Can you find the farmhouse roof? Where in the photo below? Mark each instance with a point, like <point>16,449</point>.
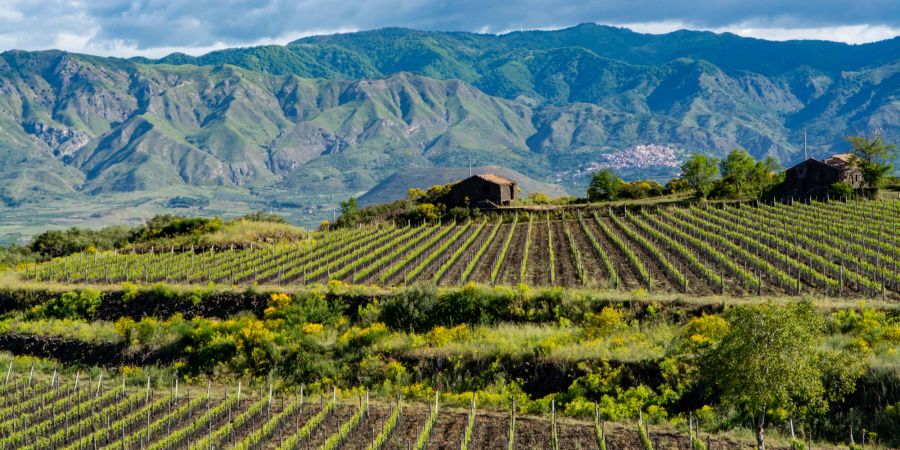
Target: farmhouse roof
<point>842,161</point>
<point>812,161</point>
<point>496,179</point>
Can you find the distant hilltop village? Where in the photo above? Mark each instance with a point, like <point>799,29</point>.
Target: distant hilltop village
<point>636,157</point>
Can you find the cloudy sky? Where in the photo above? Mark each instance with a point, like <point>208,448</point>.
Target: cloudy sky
<point>158,27</point>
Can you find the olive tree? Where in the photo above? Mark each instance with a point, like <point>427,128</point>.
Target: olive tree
<point>769,359</point>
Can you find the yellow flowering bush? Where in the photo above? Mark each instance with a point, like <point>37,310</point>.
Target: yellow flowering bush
<point>871,329</point>
<point>418,392</point>
<point>277,303</point>
<point>440,335</point>
<point>129,371</point>
<point>313,328</point>
<point>706,329</point>
<point>361,337</point>
<point>605,323</point>
<point>125,328</point>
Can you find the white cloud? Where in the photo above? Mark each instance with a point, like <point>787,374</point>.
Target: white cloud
<point>88,43</point>
<point>851,34</point>
<point>155,28</point>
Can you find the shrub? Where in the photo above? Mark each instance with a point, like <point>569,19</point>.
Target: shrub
<point>642,189</point>
<point>357,337</point>
<point>842,190</point>
<point>703,331</point>
<point>309,307</point>
<point>73,305</point>
<point>676,185</point>
<point>538,198</point>
<point>263,216</point>
<point>440,335</point>
<point>605,323</point>
<point>427,212</point>
<point>369,313</point>
<point>168,225</point>
<point>410,309</point>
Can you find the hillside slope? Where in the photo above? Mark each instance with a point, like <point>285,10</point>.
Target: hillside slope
<point>327,117</point>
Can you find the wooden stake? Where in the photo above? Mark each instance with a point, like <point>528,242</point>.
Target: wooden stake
<point>99,385</point>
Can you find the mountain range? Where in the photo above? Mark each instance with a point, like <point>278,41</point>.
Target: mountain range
<point>326,117</point>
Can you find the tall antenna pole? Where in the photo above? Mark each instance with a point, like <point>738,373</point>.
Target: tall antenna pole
<point>333,209</point>
<point>470,163</point>
<point>805,156</point>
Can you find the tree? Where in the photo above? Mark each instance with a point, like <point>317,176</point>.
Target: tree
<point>350,213</point>
<point>428,212</point>
<point>769,359</point>
<point>605,185</point>
<point>765,174</point>
<point>700,171</point>
<point>737,168</point>
<point>871,155</point>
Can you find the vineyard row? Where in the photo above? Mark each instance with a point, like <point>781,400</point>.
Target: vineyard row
<point>837,249</point>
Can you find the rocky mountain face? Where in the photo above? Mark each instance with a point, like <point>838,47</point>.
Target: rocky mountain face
<point>336,115</point>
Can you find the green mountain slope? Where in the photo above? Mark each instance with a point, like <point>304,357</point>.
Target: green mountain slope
<point>326,117</point>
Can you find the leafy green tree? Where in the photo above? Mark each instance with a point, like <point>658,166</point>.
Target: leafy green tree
<point>737,167</point>
<point>349,206</point>
<point>605,185</point>
<point>769,359</point>
<point>765,174</point>
<point>350,211</point>
<point>55,243</point>
<point>700,171</point>
<point>872,156</point>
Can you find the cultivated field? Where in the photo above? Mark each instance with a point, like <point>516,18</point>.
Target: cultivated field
<point>80,413</point>
<point>835,249</point>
